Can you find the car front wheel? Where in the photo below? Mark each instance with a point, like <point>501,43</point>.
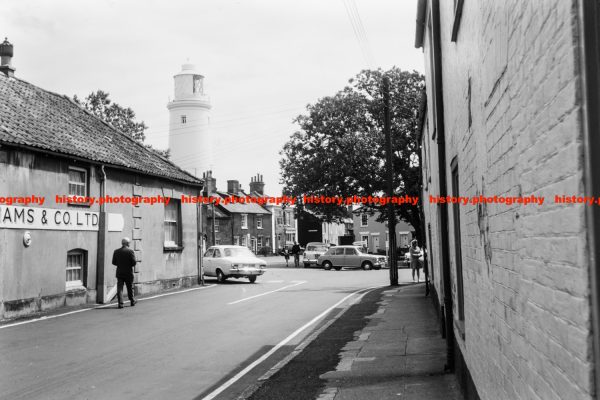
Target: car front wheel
<point>221,276</point>
<point>327,265</point>
<point>306,265</point>
<point>367,265</point>
<point>252,279</point>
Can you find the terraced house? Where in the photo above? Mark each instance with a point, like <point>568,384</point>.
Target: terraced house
<point>58,253</point>
<point>512,110</point>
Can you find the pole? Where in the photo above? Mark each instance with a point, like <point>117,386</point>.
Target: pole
<point>214,242</point>
<point>393,261</point>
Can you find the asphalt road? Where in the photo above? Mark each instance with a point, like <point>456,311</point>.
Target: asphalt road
<point>181,346</point>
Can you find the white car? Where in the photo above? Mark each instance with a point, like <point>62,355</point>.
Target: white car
<point>232,262</point>
<point>313,251</point>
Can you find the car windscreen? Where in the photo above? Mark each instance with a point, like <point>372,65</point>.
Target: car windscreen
<point>316,248</point>
<point>238,252</point>
<point>362,250</point>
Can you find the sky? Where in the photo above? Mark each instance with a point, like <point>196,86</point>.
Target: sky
<point>263,61</point>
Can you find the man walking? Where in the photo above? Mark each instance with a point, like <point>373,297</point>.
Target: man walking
<point>124,259</point>
<point>296,253</point>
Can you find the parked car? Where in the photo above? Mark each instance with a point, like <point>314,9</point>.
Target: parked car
<point>313,251</point>
<point>351,257</point>
<point>232,262</point>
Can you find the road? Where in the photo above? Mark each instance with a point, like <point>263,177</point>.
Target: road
<point>182,346</point>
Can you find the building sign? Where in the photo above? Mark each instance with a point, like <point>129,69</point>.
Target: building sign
<point>15,217</point>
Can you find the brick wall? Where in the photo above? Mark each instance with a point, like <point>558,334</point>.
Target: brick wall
<point>512,120</point>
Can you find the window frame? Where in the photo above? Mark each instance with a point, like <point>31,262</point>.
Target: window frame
<point>362,219</point>
<point>259,221</point>
<point>81,283</point>
<point>86,185</point>
<point>173,245</point>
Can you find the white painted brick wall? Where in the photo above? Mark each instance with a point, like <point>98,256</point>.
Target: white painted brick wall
<point>527,313</point>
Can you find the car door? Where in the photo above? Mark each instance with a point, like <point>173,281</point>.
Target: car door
<point>351,258</point>
<point>207,262</point>
<point>218,261</point>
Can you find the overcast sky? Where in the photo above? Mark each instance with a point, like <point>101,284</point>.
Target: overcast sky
<point>263,61</point>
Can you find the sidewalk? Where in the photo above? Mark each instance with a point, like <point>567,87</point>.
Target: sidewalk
<point>388,346</point>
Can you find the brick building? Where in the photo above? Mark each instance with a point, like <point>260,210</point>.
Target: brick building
<point>512,110</point>
<point>58,253</point>
<point>243,224</point>
<point>375,234</point>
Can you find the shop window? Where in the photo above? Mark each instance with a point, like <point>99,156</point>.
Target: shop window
<point>77,182</point>
<point>76,269</point>
<point>173,223</point>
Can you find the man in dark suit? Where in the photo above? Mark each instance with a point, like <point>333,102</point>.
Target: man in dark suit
<point>296,253</point>
<point>124,259</point>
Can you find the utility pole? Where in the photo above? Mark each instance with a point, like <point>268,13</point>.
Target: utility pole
<point>393,261</point>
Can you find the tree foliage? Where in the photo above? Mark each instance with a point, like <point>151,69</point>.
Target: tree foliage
<point>340,147</point>
<point>122,118</point>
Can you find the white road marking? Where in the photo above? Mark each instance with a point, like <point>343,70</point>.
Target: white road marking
<point>243,372</point>
<point>266,293</point>
<point>102,306</point>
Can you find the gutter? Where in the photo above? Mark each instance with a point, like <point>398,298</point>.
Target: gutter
<point>101,244</point>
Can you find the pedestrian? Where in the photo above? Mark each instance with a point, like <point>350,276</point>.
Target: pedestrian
<point>296,253</point>
<point>124,259</point>
<point>286,254</point>
<point>415,254</point>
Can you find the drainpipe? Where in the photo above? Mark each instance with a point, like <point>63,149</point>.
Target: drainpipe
<point>101,245</point>
<point>589,12</point>
<point>443,209</point>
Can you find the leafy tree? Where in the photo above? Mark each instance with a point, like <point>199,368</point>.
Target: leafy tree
<point>122,118</point>
<point>340,147</point>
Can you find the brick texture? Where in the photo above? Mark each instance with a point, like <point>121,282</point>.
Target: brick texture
<point>525,268</point>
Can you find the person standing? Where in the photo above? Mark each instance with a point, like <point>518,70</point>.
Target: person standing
<point>415,253</point>
<point>124,259</point>
<point>296,253</point>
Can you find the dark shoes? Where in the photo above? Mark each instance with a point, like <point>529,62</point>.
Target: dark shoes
<point>133,302</point>
<point>120,305</point>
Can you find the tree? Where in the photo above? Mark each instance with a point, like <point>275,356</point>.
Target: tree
<point>340,147</point>
<point>122,118</point>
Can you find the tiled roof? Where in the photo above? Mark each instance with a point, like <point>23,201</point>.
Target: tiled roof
<point>35,118</point>
<point>242,208</point>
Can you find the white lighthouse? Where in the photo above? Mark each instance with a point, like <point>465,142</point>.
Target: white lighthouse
<point>189,139</point>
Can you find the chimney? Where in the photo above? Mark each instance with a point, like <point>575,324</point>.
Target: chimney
<point>6,54</point>
<point>210,183</point>
<point>233,187</point>
<point>257,185</point>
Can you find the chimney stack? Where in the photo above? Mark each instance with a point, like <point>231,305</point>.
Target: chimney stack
<point>6,54</point>
<point>210,183</point>
<point>257,185</point>
<point>233,187</point>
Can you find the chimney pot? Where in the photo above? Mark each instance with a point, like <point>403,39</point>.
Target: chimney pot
<point>6,54</point>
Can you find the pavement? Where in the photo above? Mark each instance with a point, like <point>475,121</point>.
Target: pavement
<point>387,346</point>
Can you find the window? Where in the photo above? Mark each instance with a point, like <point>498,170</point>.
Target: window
<point>365,240</point>
<point>217,241</point>
<point>260,241</point>
<point>236,240</point>
<point>290,237</point>
<point>244,221</point>
<point>216,225</point>
<point>75,269</point>
<point>288,218</point>
<point>259,222</point>
<point>403,239</point>
<point>172,223</point>
<point>77,182</point>
<point>217,253</point>
<point>244,240</point>
<point>350,252</point>
<point>184,119</point>
<point>279,218</point>
<point>209,253</point>
<point>364,219</point>
<point>457,246</point>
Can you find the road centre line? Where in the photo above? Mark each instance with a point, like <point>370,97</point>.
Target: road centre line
<point>47,317</point>
<point>243,372</point>
<point>266,293</point>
